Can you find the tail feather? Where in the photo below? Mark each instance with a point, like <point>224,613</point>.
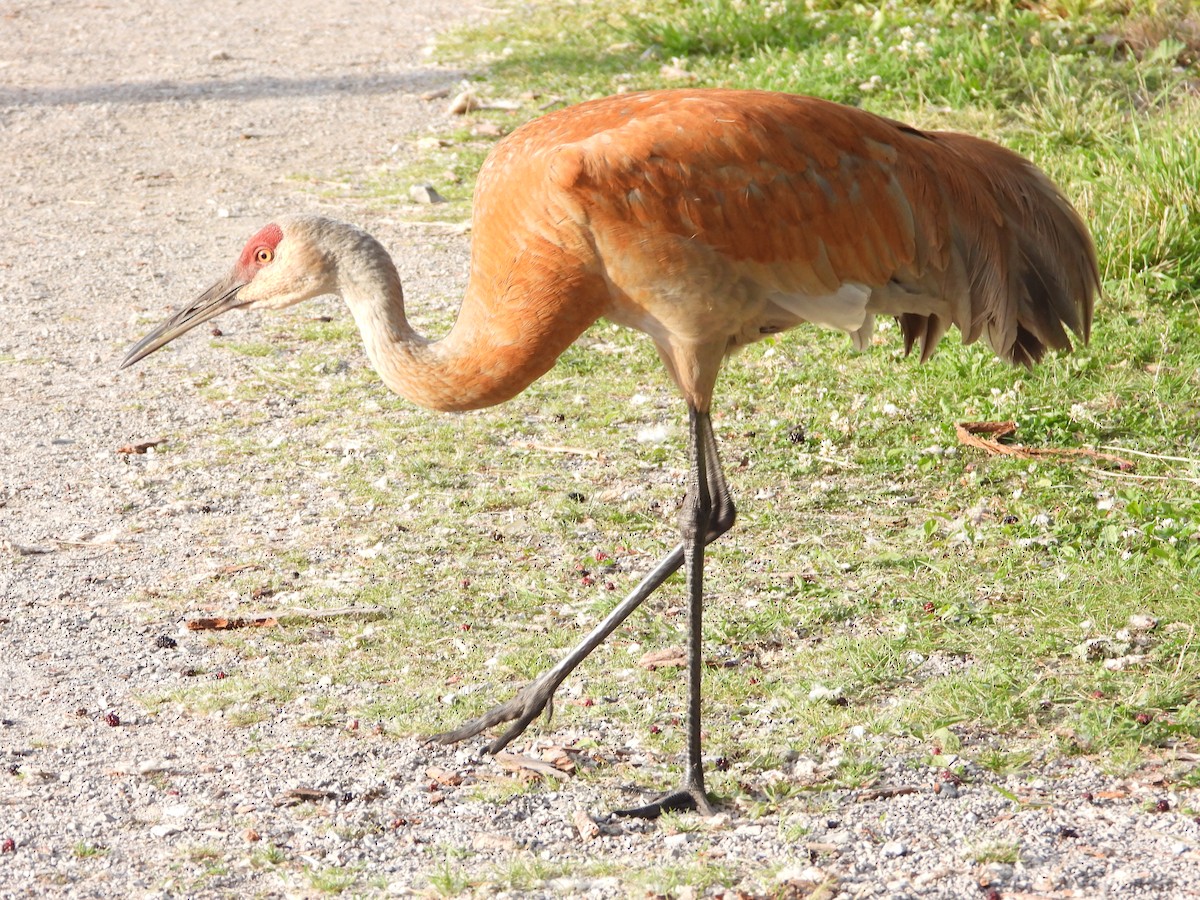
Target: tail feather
<point>1029,270</point>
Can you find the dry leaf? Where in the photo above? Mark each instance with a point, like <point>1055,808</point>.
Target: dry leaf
<point>527,765</point>
<point>140,447</point>
<point>560,758</point>
<point>587,828</point>
<point>443,776</point>
<point>235,568</point>
<point>669,656</point>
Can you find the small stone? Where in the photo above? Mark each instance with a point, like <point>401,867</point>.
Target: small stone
<point>796,875</point>
<point>999,871</point>
<point>463,103</point>
<point>251,835</point>
<point>163,830</point>
<point>1141,622</point>
<point>493,840</point>
<point>819,692</point>
<point>893,849</point>
<point>425,193</point>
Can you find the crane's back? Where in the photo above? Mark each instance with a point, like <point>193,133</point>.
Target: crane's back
<point>785,208</point>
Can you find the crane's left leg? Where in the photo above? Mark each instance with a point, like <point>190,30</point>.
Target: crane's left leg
<point>700,508</point>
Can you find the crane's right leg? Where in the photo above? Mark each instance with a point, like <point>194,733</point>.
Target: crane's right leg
<point>538,695</point>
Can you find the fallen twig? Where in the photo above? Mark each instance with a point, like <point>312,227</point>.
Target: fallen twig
<point>297,613</point>
<point>296,796</point>
<point>291,616</point>
<point>986,436</point>
<point>141,446</point>
<point>885,793</point>
<point>1159,456</point>
<point>521,764</point>
<point>1136,477</point>
<point>226,623</point>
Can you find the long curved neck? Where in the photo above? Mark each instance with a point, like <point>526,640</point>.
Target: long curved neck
<point>492,353</point>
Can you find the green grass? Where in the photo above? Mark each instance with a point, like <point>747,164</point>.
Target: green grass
<point>85,850</point>
<point>942,594</point>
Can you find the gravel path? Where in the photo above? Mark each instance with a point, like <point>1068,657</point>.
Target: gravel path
<point>140,144</point>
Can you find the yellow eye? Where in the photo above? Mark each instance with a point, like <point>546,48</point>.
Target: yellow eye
<point>264,255</point>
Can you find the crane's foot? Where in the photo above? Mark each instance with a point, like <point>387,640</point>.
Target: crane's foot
<point>687,798</point>
<point>528,703</point>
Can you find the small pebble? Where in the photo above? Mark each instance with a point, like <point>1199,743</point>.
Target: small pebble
<point>425,193</point>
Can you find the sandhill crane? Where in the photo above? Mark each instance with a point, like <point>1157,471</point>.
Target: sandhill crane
<point>706,219</point>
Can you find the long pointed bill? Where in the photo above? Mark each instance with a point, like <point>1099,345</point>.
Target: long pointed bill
<point>217,299</point>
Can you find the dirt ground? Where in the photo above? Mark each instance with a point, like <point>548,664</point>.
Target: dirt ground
<point>140,144</point>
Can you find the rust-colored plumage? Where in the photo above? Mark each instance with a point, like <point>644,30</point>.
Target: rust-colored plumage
<point>707,220</point>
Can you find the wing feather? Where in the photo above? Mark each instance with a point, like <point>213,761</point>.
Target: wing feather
<point>768,194</point>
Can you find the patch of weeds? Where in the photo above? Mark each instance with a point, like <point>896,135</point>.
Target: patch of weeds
<point>450,881</point>
<point>1003,762</point>
<point>996,852</point>
<point>272,855</point>
<point>334,879</point>
<point>702,874</point>
<point>528,873</point>
<point>857,771</point>
<point>202,853</point>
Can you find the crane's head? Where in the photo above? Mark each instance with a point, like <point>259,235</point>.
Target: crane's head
<point>281,265</point>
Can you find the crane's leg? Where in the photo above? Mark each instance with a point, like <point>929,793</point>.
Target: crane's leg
<point>538,695</point>
<point>695,522</point>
